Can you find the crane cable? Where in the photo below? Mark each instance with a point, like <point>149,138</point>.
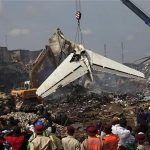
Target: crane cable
<point>79,36</point>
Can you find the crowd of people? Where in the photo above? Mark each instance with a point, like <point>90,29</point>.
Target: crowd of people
<point>43,135</point>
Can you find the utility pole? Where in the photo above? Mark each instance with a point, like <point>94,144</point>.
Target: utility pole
<point>105,50</point>
<point>122,49</point>
<point>6,42</point>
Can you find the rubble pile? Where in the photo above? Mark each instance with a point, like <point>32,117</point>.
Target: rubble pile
<point>22,117</point>
<point>6,104</point>
<point>79,107</point>
<point>90,107</point>
<point>12,75</point>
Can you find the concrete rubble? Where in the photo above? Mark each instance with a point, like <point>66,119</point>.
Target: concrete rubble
<point>22,117</point>
<point>6,104</point>
<point>80,107</point>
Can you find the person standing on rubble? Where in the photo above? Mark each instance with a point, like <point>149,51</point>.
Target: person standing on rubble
<point>69,142</point>
<point>92,142</point>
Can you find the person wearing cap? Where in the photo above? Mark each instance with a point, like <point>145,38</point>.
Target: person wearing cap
<point>40,141</point>
<point>141,141</point>
<point>92,142</point>
<point>33,128</point>
<point>110,139</point>
<point>69,142</point>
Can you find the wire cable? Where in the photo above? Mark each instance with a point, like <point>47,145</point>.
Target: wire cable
<point>78,14</point>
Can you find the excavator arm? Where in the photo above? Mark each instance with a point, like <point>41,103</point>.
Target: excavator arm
<point>54,50</point>
<point>47,52</point>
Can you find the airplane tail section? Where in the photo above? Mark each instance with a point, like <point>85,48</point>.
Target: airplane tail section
<point>68,71</point>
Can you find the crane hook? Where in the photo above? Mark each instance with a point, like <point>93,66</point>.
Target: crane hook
<point>78,15</point>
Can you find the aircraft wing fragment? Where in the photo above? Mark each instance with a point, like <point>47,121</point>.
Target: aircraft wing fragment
<point>65,73</point>
<point>101,63</point>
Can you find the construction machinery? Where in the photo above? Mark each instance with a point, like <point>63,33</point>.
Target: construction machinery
<point>55,51</point>
<point>133,7</point>
<point>145,17</point>
<point>25,97</point>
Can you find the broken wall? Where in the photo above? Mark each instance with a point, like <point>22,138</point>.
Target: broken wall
<point>4,55</point>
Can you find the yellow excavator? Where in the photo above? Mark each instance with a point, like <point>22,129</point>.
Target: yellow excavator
<point>25,97</point>
<point>55,51</point>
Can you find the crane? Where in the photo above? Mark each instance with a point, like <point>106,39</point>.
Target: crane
<point>137,11</point>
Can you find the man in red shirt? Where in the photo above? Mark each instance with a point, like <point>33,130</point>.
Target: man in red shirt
<point>110,139</point>
<point>92,142</point>
<point>16,139</point>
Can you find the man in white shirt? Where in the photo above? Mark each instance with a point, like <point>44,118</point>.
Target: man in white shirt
<point>115,125</point>
<point>121,131</point>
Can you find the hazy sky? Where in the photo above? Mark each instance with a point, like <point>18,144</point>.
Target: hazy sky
<point>29,23</point>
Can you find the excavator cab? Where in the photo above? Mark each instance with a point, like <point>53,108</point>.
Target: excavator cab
<point>27,85</point>
<point>24,91</point>
<point>25,97</point>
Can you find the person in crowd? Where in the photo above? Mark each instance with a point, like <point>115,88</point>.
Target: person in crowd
<point>141,120</point>
<point>40,141</point>
<point>92,142</point>
<point>2,141</point>
<point>122,132</point>
<point>140,136</point>
<point>111,140</point>
<point>130,142</point>
<point>27,132</point>
<point>100,127</point>
<point>141,139</point>
<point>33,129</point>
<point>56,142</point>
<point>148,118</point>
<point>115,124</point>
<point>15,141</point>
<point>2,124</point>
<point>69,142</point>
